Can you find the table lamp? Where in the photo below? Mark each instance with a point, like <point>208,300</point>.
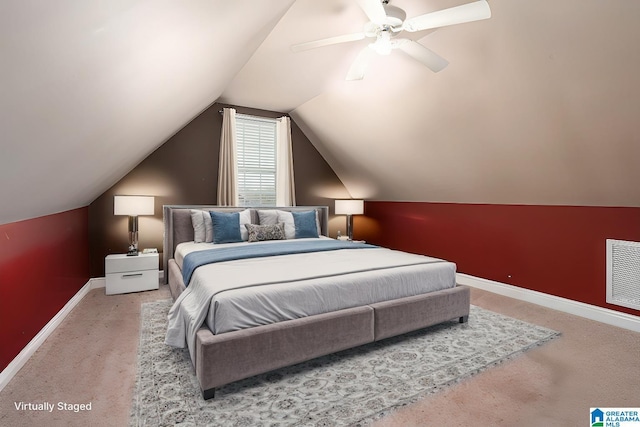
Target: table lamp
<point>133,206</point>
<point>349,208</point>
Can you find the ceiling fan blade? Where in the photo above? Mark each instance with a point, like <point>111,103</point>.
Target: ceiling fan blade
<point>374,10</point>
<point>455,15</point>
<point>420,53</point>
<point>359,66</point>
<point>326,42</point>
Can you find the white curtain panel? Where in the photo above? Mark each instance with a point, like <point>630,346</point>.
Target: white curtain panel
<point>228,167</point>
<point>285,187</point>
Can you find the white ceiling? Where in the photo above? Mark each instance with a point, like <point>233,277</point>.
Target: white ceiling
<point>538,104</point>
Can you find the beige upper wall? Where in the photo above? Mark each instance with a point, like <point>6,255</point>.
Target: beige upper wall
<point>537,106</point>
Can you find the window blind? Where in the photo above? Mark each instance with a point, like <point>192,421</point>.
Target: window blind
<point>256,157</point>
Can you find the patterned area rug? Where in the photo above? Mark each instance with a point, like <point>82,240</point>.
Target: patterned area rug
<point>350,388</point>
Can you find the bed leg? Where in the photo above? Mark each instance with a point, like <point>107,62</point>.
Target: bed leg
<point>208,394</point>
<point>464,319</point>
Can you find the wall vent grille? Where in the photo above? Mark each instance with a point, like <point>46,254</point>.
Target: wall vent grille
<point>623,273</point>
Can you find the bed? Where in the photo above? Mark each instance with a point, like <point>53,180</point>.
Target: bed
<point>265,305</point>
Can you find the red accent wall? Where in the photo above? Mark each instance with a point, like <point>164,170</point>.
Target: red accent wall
<point>558,250</point>
<point>43,263</point>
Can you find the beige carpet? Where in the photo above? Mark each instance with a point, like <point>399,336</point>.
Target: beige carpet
<point>91,358</point>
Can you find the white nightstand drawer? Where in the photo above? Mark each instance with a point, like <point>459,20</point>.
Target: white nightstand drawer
<point>123,263</point>
<point>124,282</point>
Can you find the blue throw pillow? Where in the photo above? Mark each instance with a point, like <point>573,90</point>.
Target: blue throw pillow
<point>305,223</point>
<point>226,227</point>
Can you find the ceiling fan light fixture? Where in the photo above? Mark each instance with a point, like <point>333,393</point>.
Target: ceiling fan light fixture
<point>383,44</point>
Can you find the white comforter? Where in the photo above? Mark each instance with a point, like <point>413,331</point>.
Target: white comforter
<point>239,294</point>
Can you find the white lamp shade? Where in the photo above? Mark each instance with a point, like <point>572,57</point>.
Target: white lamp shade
<point>349,207</point>
<point>133,205</point>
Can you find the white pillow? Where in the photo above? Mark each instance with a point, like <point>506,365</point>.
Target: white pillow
<point>245,218</point>
<point>202,226</point>
<point>208,228</point>
<point>289,225</point>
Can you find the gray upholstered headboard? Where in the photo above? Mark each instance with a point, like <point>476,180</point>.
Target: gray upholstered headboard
<point>178,227</point>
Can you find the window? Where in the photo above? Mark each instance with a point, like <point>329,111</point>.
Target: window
<point>256,157</point>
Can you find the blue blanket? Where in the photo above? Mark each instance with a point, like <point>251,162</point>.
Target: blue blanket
<point>196,259</point>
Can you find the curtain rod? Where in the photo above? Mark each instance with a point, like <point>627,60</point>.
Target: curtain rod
<point>251,115</point>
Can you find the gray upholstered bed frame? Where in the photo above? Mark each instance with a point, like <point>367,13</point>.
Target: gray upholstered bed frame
<point>232,356</point>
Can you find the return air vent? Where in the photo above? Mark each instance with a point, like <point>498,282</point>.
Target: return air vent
<point>623,273</point>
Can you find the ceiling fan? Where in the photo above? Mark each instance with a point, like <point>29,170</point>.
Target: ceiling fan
<point>387,22</point>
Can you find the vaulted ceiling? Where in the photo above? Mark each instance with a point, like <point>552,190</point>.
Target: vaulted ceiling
<point>538,104</point>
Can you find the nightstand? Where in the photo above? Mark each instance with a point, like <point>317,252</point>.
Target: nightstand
<point>131,273</point>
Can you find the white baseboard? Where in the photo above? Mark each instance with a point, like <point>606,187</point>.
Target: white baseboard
<point>604,315</point>
<point>98,282</point>
<point>18,362</point>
